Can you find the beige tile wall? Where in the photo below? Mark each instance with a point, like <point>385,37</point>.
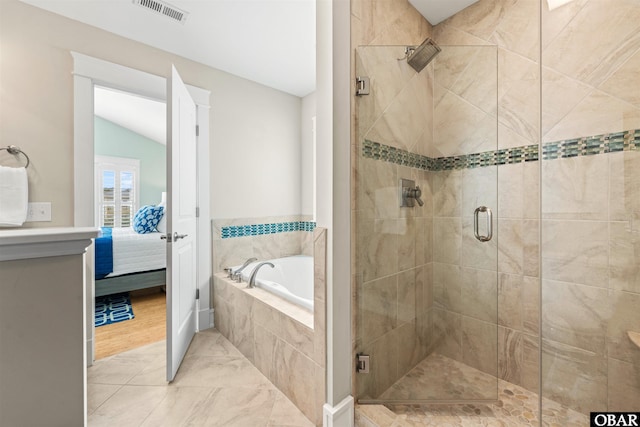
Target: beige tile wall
<point>589,204</point>
<point>487,91</point>
<point>591,280</point>
<point>285,342</point>
<point>234,251</point>
<point>391,250</point>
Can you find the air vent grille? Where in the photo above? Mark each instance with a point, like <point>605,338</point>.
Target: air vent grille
<point>163,8</point>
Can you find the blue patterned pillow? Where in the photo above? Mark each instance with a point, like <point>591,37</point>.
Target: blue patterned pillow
<point>147,218</point>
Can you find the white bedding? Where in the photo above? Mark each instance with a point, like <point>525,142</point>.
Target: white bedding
<point>133,252</point>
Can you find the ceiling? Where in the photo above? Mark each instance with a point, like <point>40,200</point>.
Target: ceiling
<point>143,116</point>
<point>271,42</point>
<point>436,11</point>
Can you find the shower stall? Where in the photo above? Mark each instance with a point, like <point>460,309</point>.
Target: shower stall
<point>517,276</point>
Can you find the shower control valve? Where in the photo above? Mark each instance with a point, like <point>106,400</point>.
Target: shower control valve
<point>410,193</point>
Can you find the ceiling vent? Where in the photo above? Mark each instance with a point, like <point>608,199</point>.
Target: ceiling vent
<point>164,8</point>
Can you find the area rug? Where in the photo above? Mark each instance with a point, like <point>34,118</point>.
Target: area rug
<point>113,308</point>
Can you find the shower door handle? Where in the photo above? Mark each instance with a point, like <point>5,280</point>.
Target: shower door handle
<point>476,213</point>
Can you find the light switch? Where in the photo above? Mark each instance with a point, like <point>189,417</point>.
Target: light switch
<point>39,212</point>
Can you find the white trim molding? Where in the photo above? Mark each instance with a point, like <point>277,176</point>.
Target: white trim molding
<point>45,242</point>
<point>341,415</point>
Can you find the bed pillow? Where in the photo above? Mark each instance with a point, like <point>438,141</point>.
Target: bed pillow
<point>147,218</point>
<point>162,224</point>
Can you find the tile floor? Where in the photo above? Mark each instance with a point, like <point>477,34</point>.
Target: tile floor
<point>440,378</point>
<point>215,386</point>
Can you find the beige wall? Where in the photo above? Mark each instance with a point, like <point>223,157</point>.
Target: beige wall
<point>589,203</point>
<point>36,110</point>
<point>391,248</point>
<point>230,252</point>
<point>590,253</point>
<point>495,88</point>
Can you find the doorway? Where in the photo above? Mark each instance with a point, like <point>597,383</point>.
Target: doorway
<point>89,72</point>
<point>130,177</point>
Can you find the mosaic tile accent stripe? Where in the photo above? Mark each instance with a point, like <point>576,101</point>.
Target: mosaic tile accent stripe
<point>259,229</point>
<point>377,151</point>
<point>591,145</point>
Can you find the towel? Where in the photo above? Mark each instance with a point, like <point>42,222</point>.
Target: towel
<point>14,196</point>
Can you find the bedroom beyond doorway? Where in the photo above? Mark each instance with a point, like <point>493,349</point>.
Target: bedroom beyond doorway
<point>148,326</point>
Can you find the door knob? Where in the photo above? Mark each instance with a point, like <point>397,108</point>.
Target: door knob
<point>177,236</point>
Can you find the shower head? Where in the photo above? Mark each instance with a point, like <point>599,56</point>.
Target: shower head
<point>419,56</point>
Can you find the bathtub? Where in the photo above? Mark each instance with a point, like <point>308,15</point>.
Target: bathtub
<point>290,279</point>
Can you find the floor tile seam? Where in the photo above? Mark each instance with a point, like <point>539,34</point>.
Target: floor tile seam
<point>208,396</point>
<point>243,388</point>
<point>223,358</point>
<point>107,399</point>
<point>273,407</point>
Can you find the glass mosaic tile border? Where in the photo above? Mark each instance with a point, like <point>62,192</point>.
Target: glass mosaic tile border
<point>260,229</point>
<point>591,145</point>
<point>378,151</point>
<point>628,140</point>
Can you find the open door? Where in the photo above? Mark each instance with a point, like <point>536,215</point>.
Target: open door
<point>181,222</point>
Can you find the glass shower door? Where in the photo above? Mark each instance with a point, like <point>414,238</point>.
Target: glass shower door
<point>426,283</point>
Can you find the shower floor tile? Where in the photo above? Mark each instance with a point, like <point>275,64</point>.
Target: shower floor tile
<point>440,378</point>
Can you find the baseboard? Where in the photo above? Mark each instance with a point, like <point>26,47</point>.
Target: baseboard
<point>341,415</point>
<point>205,319</point>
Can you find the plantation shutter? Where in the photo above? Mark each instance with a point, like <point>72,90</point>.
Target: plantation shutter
<point>117,184</point>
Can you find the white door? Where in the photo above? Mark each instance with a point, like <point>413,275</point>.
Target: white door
<point>181,222</point>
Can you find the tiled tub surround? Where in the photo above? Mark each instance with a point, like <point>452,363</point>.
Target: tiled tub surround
<point>236,240</point>
<point>284,341</point>
<point>231,231</point>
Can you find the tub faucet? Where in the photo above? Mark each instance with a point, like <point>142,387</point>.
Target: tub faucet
<point>236,274</point>
<point>252,279</point>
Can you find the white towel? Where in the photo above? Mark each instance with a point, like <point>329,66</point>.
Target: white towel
<point>14,196</point>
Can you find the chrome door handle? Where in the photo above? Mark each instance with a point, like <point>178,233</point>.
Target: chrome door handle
<point>489,224</point>
<point>177,236</point>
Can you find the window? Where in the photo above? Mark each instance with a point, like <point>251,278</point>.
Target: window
<point>117,188</point>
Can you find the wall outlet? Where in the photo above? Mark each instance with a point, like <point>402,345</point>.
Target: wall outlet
<point>39,212</point>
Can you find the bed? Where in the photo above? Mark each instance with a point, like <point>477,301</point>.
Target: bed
<point>127,261</point>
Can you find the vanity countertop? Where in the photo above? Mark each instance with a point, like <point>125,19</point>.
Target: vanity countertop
<point>24,243</point>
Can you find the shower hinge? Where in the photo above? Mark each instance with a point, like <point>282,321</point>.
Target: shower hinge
<point>197,130</point>
<point>363,363</point>
<point>197,293</point>
<point>362,86</point>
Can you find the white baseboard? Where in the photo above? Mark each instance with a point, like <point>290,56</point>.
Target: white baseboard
<point>341,415</point>
<point>205,319</point>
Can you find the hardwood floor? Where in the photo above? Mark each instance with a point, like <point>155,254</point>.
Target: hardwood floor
<point>148,326</point>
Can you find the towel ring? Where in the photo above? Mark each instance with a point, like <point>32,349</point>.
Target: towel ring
<point>12,149</point>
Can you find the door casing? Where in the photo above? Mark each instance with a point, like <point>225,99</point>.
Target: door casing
<point>88,72</point>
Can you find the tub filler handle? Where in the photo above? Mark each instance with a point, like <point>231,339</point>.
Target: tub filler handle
<point>252,279</point>
<point>236,275</point>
